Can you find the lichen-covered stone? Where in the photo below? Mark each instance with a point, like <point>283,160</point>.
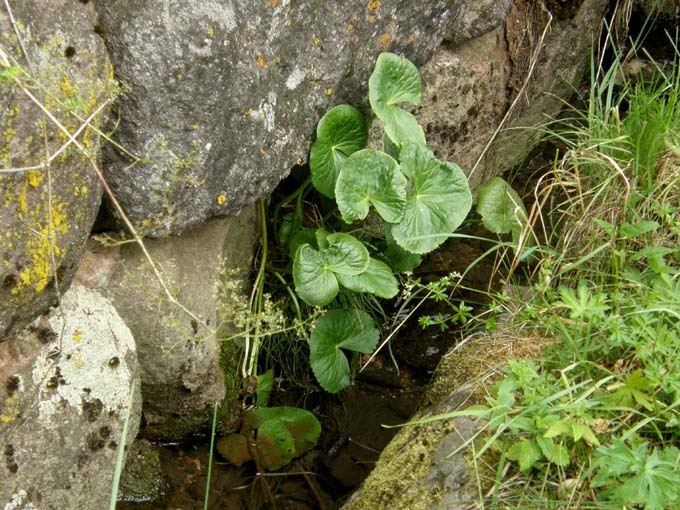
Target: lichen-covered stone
<point>179,356</point>
<point>46,213</point>
<point>64,393</point>
<point>224,95</point>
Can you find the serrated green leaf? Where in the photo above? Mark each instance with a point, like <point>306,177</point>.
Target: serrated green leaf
<point>555,452</point>
<point>371,178</point>
<point>631,231</point>
<point>526,453</point>
<point>378,279</point>
<point>439,203</point>
<point>341,132</point>
<point>396,80</point>
<point>333,331</point>
<point>314,281</point>
<point>345,254</point>
<point>561,427</point>
<point>500,207</point>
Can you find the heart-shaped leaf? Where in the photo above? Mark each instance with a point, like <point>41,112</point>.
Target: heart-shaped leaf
<point>302,424</point>
<point>378,279</point>
<point>341,132</point>
<point>500,207</point>
<point>345,254</point>
<point>370,177</point>
<point>336,330</point>
<point>265,384</point>
<point>439,203</point>
<point>396,80</point>
<point>314,281</point>
<point>314,272</point>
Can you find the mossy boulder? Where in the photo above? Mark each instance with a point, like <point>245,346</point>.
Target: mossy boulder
<point>49,194</point>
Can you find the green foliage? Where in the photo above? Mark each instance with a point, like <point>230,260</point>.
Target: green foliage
<point>340,133</point>
<point>420,200</point>
<point>500,207</point>
<point>280,434</point>
<point>594,423</point>
<point>438,204</point>
<point>371,178</point>
<point>314,271</point>
<point>396,80</point>
<point>353,330</point>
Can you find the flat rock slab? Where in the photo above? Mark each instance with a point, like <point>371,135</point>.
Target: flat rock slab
<point>66,384</point>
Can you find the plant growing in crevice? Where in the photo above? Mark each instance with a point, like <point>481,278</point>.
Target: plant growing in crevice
<point>418,199</point>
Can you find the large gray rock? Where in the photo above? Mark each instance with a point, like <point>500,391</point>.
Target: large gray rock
<point>45,218</point>
<point>180,357</point>
<point>64,393</point>
<point>471,86</point>
<point>224,95</point>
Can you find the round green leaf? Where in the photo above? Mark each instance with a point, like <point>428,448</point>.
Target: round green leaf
<point>341,132</point>
<point>396,80</point>
<point>378,279</point>
<point>302,424</point>
<point>370,177</point>
<point>439,203</point>
<point>275,445</point>
<point>345,254</point>
<point>314,280</point>
<point>500,207</point>
<point>337,329</point>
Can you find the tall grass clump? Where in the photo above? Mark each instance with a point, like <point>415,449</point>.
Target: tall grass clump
<point>595,422</point>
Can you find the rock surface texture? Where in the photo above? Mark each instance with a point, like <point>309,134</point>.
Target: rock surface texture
<point>179,356</point>
<point>66,383</point>
<point>516,73</point>
<point>46,215</point>
<point>224,95</point>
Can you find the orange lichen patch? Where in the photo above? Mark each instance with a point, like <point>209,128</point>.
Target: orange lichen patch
<point>411,38</point>
<point>384,40</point>
<point>262,152</point>
<point>350,27</point>
<point>373,5</point>
<point>329,91</point>
<point>273,3</point>
<point>371,19</point>
<point>221,199</point>
<point>261,64</point>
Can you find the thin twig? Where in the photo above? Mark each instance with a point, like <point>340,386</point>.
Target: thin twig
<point>173,300</point>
